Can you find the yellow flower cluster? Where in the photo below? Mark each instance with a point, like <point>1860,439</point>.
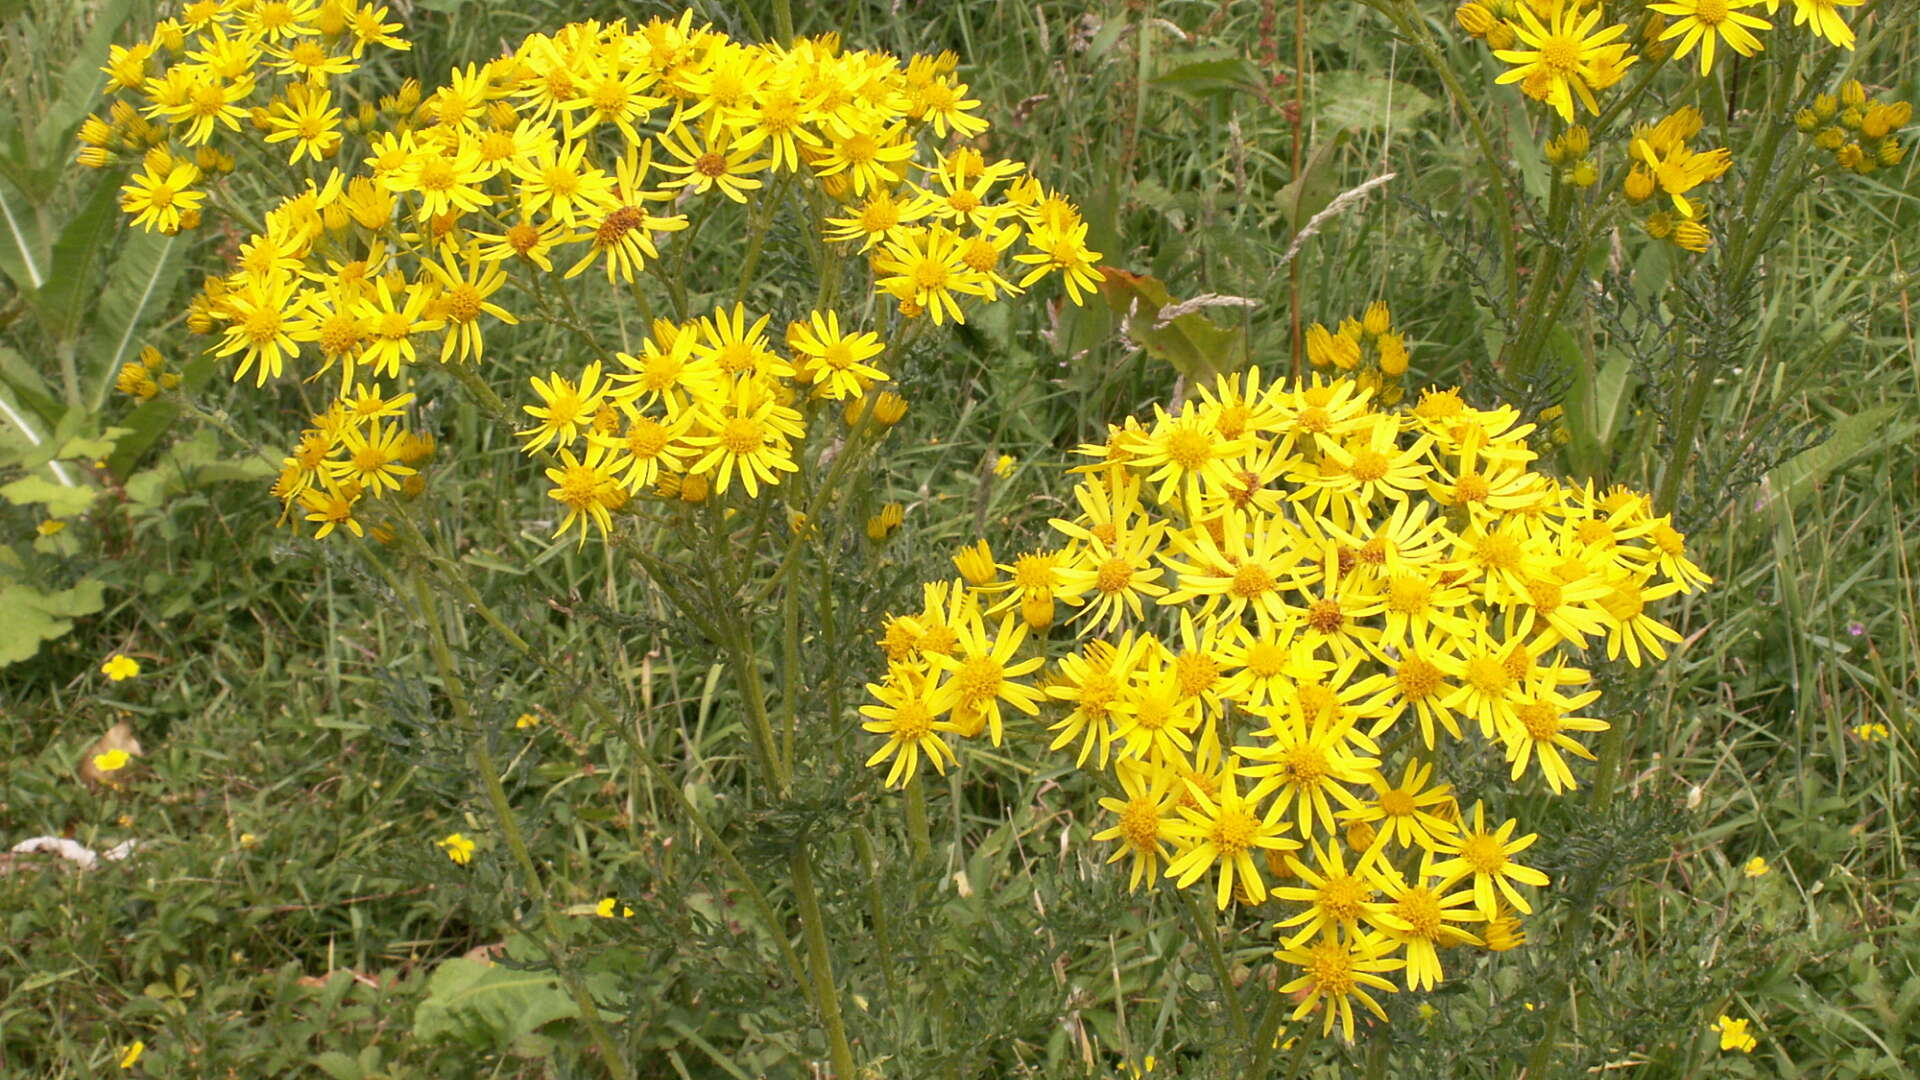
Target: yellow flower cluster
<point>1276,590</point>
<point>1858,132</point>
<point>1563,53</point>
<point>1368,347</point>
<point>212,72</point>
<point>1665,162</point>
<point>145,376</point>
<point>591,144</point>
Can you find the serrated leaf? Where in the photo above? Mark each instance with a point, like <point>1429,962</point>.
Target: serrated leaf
<point>142,277</point>
<point>1358,99</point>
<point>69,292</point>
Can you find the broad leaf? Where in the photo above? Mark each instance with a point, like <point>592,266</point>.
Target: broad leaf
<point>142,278</point>
<point>1194,344</point>
<point>1356,99</point>
<point>70,292</point>
<point>35,617</point>
<point>482,1004</point>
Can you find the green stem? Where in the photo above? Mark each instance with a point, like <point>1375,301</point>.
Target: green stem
<point>484,765</point>
<point>1408,22</point>
<point>1207,930</point>
<point>1260,1059</point>
<point>917,818</point>
<point>820,963</point>
<point>451,575</point>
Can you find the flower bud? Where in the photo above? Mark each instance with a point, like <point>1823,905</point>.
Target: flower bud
<point>1378,319</point>
<point>975,563</point>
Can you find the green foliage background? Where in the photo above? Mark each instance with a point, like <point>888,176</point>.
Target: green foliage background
<point>285,913</point>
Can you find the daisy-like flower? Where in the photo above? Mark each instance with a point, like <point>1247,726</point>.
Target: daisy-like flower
<point>1404,813</point>
<point>1557,65</point>
<point>558,180</point>
<point>464,292</point>
<point>721,161</point>
<point>1337,900</point>
<point>1705,22</point>
<point>1420,916</point>
<point>307,119</point>
<point>157,198</point>
<point>1823,18</point>
<point>648,446</point>
<point>1486,855</point>
<point>1063,249</point>
<point>835,362</point>
<point>1223,829</point>
<point>120,667</point>
<point>1540,730</point>
<point>565,408</point>
<point>262,314</point>
<point>1143,819</point>
<point>981,673</point>
<point>589,489</point>
<point>390,325</point>
<point>374,459</point>
<point>924,268</point>
<point>908,714</point>
<point>750,433</point>
<point>1095,684</point>
<point>1335,973</point>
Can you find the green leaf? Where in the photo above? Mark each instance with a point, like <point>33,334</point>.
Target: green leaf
<point>60,500</point>
<point>1356,99</point>
<point>1203,78</point>
<point>69,294</point>
<point>338,1066</point>
<point>1310,192</point>
<point>19,257</point>
<point>79,85</point>
<point>1194,344</point>
<point>1854,437</point>
<point>30,389</point>
<point>35,617</point>
<point>142,277</point>
<point>482,1004</point>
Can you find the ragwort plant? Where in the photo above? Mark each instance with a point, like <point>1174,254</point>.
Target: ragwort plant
<point>691,445</point>
<point>1290,603</point>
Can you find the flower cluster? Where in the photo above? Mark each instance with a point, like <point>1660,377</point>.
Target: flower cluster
<point>1858,132</point>
<point>217,71</point>
<point>143,377</point>
<point>1368,348</point>
<point>585,148</point>
<point>1564,53</point>
<point>1278,591</point>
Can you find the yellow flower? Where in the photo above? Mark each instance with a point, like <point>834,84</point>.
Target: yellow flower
<point>1705,22</point>
<point>605,908</point>
<point>1003,465</point>
<point>1734,1034</point>
<point>526,720</point>
<point>130,1054</point>
<point>1557,64</point>
<point>1871,731</point>
<point>161,199</point>
<point>120,666</point>
<point>458,848</point>
<point>1756,867</point>
<point>49,527</point>
<point>111,761</point>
